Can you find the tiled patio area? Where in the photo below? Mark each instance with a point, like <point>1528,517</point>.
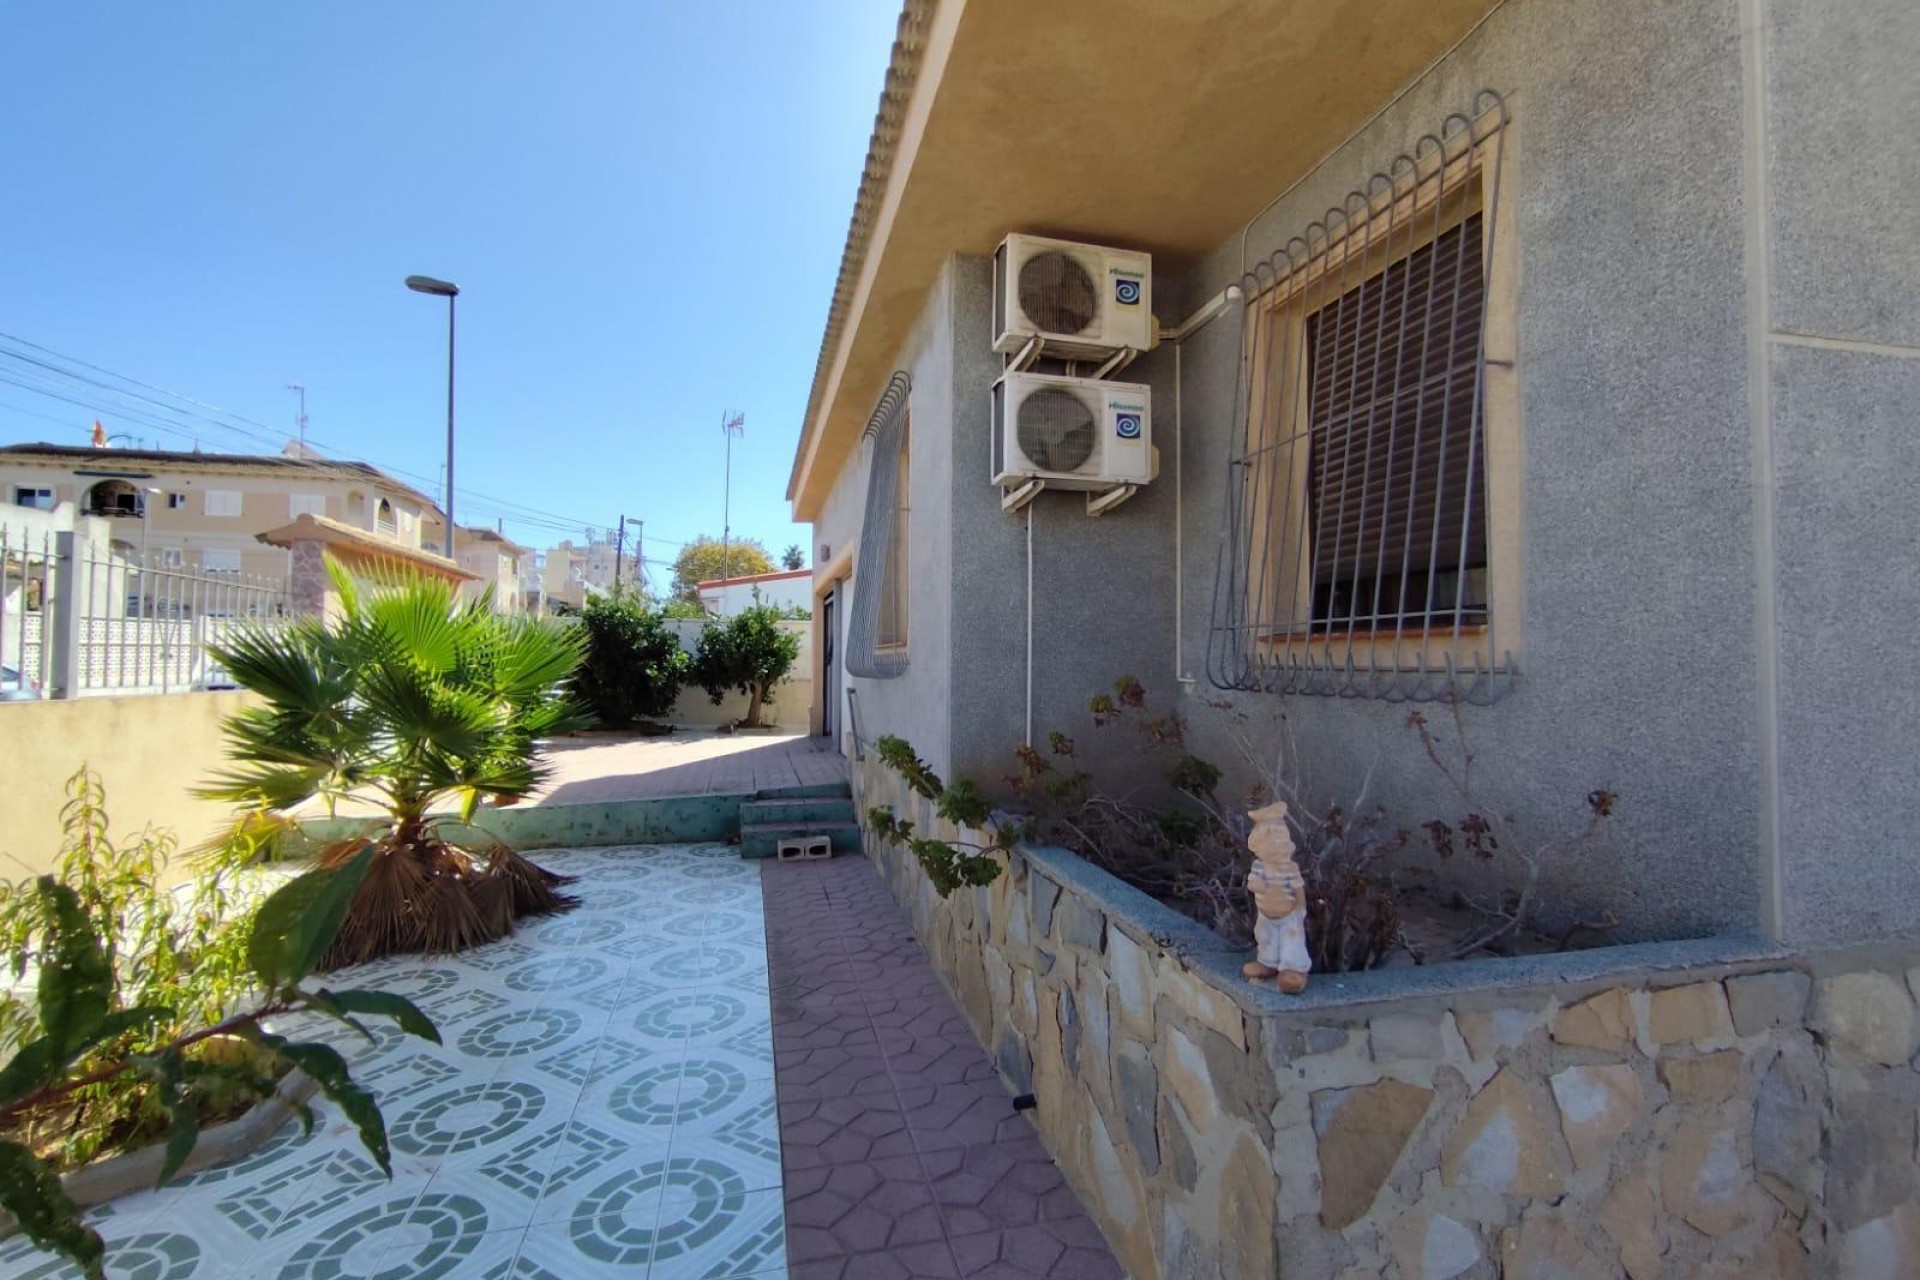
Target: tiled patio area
<point>904,1155</point>
<point>602,1106</point>
<point>688,762</point>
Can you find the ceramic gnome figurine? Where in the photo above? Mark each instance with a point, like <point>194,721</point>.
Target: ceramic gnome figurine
<point>1280,896</point>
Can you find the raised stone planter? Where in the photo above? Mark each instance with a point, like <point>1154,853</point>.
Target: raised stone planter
<point>136,1171</point>
<point>1722,1106</point>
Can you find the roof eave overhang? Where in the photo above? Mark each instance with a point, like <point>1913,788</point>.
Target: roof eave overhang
<point>1001,115</point>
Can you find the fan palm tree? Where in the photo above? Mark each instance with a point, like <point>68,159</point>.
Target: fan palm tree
<point>424,703</point>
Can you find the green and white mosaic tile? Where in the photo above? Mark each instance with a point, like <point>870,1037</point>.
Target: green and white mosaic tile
<point>602,1104</point>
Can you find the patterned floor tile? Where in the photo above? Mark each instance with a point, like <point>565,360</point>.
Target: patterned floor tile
<point>587,1157</point>
<point>735,1235</point>
<point>601,1104</point>
<point>155,1254</point>
<point>474,1121</point>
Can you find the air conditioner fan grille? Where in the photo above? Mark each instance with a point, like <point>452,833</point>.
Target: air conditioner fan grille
<point>1055,430</point>
<point>1058,294</point>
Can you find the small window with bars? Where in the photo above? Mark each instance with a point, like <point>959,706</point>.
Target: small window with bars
<point>1359,556</point>
<point>877,622</point>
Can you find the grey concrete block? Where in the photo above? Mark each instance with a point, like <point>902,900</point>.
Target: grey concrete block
<point>1044,895</point>
<point>1871,1168</point>
<point>1015,1061</point>
<point>1080,925</point>
<point>1786,1122</point>
<point>1399,1037</point>
<point>1070,1030</point>
<point>1764,1001</point>
<point>1139,1088</point>
<point>1179,1146</point>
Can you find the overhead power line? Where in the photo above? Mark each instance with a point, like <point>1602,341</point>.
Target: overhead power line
<point>192,420</point>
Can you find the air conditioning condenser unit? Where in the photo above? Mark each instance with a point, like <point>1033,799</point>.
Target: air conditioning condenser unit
<point>1071,433</point>
<point>1083,301</point>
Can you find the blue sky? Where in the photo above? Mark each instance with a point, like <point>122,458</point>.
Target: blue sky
<point>643,204</point>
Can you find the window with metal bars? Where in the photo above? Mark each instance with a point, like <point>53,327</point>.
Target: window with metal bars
<point>1359,550</point>
<point>1396,506</point>
<point>877,621</point>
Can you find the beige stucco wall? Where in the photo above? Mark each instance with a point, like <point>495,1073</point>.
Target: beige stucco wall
<point>266,502</point>
<point>149,751</point>
<point>788,710</point>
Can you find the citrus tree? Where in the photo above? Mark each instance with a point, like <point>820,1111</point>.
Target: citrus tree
<point>748,653</point>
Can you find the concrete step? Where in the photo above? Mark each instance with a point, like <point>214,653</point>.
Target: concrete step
<point>762,812</point>
<point>762,839</point>
<point>807,791</point>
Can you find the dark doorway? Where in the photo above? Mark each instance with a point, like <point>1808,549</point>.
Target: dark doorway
<point>829,682</point>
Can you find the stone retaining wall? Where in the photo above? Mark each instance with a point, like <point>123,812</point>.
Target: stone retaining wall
<point>1707,1108</point>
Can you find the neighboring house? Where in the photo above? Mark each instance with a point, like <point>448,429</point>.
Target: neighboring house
<point>1592,407</point>
<point>204,511</point>
<point>494,561</point>
<point>563,581</point>
<point>573,571</point>
<point>724,597</point>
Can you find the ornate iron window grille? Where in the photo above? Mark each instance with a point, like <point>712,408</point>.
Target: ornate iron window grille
<point>1355,558</point>
<point>876,626</point>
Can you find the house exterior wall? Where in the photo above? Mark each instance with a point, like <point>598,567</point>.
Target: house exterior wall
<point>915,704</point>
<point>1102,597</point>
<point>1717,262</point>
<point>1637,528</point>
<point>1839,99</point>
<point>267,501</point>
<point>493,565</point>
<point>781,591</point>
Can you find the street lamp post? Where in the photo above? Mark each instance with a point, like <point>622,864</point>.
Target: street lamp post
<point>731,425</point>
<point>443,289</point>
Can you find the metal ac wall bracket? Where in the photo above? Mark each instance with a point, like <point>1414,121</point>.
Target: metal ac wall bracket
<point>1013,500</point>
<point>1098,504</point>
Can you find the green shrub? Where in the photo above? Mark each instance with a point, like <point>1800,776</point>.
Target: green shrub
<point>749,653</point>
<point>186,952</point>
<point>634,667</point>
<point>146,1018</point>
<point>418,702</point>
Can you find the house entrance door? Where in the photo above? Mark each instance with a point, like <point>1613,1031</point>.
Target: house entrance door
<point>829,667</point>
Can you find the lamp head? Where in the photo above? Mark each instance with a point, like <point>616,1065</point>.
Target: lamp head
<point>438,288</point>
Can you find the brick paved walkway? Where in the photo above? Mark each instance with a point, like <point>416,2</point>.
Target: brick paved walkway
<point>903,1154</point>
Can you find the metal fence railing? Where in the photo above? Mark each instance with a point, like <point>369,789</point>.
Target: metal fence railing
<point>78,620</point>
<point>25,559</point>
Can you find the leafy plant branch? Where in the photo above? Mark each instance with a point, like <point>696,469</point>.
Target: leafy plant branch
<point>949,864</point>
<point>86,1039</point>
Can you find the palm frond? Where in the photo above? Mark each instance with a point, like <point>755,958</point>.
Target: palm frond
<point>419,698</point>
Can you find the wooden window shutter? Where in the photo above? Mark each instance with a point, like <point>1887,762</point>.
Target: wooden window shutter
<point>1396,487</point>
